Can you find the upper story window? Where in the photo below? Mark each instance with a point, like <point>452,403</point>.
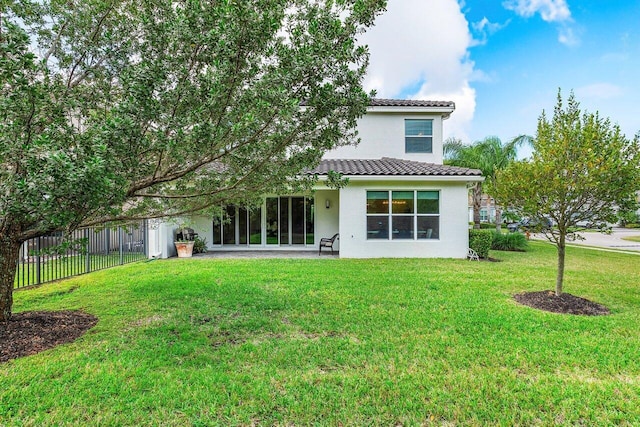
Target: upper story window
<point>418,136</point>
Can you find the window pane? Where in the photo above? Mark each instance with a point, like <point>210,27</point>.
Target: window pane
<point>217,231</point>
<point>428,202</point>
<point>377,202</point>
<point>242,225</point>
<point>418,127</point>
<point>297,220</point>
<point>377,227</point>
<point>309,214</point>
<point>255,228</point>
<point>402,227</point>
<point>229,227</point>
<point>417,144</point>
<point>428,227</point>
<point>402,201</point>
<point>272,221</point>
<point>284,220</point>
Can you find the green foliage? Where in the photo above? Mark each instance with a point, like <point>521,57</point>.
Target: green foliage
<point>205,342</point>
<point>126,110</point>
<point>480,241</point>
<point>487,226</point>
<point>489,155</point>
<point>199,245</point>
<point>582,168</point>
<point>509,242</point>
<point>628,216</point>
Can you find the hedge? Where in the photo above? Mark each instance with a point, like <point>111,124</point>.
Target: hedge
<point>480,241</point>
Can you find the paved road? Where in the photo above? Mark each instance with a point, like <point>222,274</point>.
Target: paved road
<point>611,241</point>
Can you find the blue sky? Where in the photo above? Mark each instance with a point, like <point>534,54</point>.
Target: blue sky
<point>503,61</point>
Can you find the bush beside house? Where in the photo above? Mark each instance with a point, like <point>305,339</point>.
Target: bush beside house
<point>480,241</point>
<point>509,242</point>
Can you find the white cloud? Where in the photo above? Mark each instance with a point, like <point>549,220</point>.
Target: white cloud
<point>484,28</point>
<point>549,10</point>
<point>568,37</point>
<point>418,50</point>
<point>600,91</point>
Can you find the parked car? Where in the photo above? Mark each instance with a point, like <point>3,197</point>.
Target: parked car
<point>527,224</point>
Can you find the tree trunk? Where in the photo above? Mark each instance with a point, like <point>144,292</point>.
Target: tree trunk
<point>476,196</point>
<point>561,253</point>
<point>498,219</point>
<point>9,250</point>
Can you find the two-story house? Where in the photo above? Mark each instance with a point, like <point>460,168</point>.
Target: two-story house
<point>400,201</point>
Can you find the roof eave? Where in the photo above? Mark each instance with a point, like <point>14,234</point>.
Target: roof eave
<point>411,178</point>
<point>444,111</point>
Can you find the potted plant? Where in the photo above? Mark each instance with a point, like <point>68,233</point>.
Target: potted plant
<point>184,248</point>
<point>185,239</point>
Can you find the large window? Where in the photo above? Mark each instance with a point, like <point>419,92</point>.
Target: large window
<point>403,215</point>
<point>418,136</point>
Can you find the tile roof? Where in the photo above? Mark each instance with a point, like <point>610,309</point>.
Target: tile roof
<point>389,167</point>
<point>379,102</point>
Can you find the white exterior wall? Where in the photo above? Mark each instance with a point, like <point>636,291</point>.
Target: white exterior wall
<point>160,236</point>
<point>327,220</point>
<point>382,135</point>
<point>454,230</point>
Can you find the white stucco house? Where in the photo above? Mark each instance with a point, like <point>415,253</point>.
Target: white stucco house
<point>401,201</point>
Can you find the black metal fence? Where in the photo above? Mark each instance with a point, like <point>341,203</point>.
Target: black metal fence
<point>54,257</point>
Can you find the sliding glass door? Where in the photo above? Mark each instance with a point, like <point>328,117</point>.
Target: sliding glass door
<point>288,221</point>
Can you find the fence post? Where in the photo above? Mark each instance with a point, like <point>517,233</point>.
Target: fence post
<point>38,260</point>
<point>145,238</point>
<point>87,264</point>
<point>121,245</point>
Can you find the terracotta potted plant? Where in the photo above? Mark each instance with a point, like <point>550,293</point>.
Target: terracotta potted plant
<point>184,242</point>
<point>184,248</point>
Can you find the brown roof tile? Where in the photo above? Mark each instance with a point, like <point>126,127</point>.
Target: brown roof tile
<point>389,167</point>
<point>379,102</point>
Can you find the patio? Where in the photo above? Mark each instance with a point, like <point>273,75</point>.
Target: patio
<point>267,254</point>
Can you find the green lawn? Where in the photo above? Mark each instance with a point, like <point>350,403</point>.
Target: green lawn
<point>632,238</point>
<point>357,342</point>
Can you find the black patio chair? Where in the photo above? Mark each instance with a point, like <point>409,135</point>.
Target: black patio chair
<point>327,242</point>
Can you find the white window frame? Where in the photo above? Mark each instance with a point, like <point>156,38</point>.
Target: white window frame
<point>426,137</point>
<point>415,215</point>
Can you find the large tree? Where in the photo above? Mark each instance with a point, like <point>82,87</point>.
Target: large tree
<point>583,170</point>
<point>115,110</point>
<point>489,155</point>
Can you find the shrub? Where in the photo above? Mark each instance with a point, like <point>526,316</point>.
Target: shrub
<point>487,226</point>
<point>632,225</point>
<point>480,241</point>
<point>199,245</point>
<point>509,242</point>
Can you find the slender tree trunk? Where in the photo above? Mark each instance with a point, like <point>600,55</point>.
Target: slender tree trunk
<point>477,200</point>
<point>561,253</point>
<point>498,219</point>
<point>9,249</point>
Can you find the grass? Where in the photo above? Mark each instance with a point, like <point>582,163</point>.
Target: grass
<point>353,342</point>
<point>632,238</point>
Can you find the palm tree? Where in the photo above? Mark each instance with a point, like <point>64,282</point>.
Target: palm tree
<point>488,155</point>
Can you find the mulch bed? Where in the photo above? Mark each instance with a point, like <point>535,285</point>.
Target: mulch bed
<point>35,331</point>
<point>565,303</point>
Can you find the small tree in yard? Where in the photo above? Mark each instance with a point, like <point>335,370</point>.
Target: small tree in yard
<point>119,109</point>
<point>583,169</point>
